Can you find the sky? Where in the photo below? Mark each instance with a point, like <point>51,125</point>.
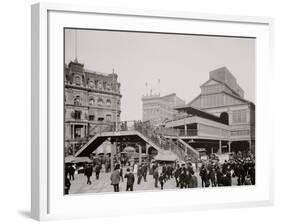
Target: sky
<point>168,63</point>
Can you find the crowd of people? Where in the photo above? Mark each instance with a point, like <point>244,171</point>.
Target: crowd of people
<point>211,173</point>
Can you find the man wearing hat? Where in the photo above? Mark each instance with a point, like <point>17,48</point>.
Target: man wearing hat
<point>130,180</point>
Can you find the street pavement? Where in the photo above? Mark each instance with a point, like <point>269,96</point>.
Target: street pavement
<point>79,184</point>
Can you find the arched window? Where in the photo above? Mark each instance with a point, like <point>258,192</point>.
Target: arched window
<point>224,118</point>
<point>77,101</point>
<point>92,84</point>
<point>100,101</point>
<point>108,117</point>
<point>77,80</point>
<point>108,87</point>
<point>108,102</point>
<point>92,101</point>
<point>100,85</point>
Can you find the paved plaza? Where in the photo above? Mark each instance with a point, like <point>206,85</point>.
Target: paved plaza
<point>79,185</point>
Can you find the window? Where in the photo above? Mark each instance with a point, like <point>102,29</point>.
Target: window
<point>77,131</point>
<point>92,84</point>
<point>108,117</point>
<point>91,101</point>
<point>78,80</point>
<point>239,116</point>
<point>101,119</point>
<point>91,117</point>
<point>240,133</point>
<point>77,114</point>
<point>213,100</point>
<point>77,101</point>
<point>108,102</point>
<point>108,87</point>
<point>100,101</point>
<point>100,85</point>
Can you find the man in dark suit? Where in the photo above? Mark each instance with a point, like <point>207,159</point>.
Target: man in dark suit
<point>88,172</point>
<point>97,170</point>
<point>71,172</point>
<point>66,184</point>
<point>130,180</point>
<point>156,176</point>
<point>144,171</point>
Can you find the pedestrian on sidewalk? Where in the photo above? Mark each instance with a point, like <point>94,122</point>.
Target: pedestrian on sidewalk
<point>130,180</point>
<point>97,170</point>
<point>182,178</point>
<point>139,174</point>
<point>156,176</point>
<point>71,172</point>
<point>121,172</point>
<point>177,174</point>
<point>204,176</point>
<point>162,180</point>
<point>144,171</point>
<point>88,173</point>
<point>135,168</point>
<point>67,184</point>
<point>193,182</point>
<point>115,178</point>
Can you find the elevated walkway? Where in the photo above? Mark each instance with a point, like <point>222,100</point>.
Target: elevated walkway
<point>99,138</point>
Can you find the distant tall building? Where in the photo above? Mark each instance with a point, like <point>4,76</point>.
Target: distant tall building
<point>158,109</point>
<point>92,104</point>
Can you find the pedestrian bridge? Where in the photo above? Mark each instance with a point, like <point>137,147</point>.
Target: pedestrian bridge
<point>115,136</point>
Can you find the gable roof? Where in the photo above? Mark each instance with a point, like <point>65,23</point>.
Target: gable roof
<point>209,81</point>
<point>224,92</point>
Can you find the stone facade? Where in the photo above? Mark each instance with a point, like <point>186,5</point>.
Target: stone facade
<point>92,104</point>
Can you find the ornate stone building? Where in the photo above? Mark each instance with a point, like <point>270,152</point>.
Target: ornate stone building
<point>92,104</point>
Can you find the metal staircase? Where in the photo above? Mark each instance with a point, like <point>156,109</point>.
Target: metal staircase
<point>190,152</point>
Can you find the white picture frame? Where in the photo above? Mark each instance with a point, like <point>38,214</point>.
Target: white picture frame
<point>47,201</point>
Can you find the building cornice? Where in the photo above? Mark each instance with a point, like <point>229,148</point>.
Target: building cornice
<point>88,89</point>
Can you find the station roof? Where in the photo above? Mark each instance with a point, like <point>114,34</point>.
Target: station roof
<point>196,112</point>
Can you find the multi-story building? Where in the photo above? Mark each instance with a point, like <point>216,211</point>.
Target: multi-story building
<point>219,118</point>
<point>92,104</point>
<point>158,109</point>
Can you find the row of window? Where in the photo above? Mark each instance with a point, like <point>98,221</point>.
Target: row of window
<point>218,100</point>
<point>240,133</point>
<point>212,89</point>
<point>78,101</point>
<point>95,84</point>
<point>204,129</point>
<point>239,116</point>
<point>77,115</point>
<point>212,100</point>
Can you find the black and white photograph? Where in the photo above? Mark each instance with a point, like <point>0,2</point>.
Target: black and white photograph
<point>148,111</point>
